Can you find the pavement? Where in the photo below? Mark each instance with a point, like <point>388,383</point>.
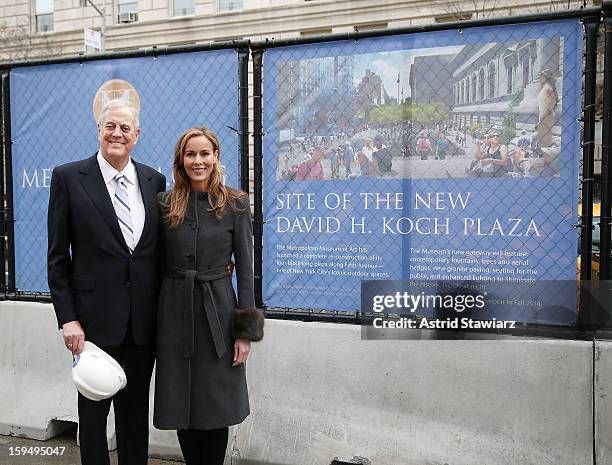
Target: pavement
<point>61,450</point>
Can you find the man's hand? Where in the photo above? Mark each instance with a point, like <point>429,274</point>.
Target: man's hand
<point>242,347</point>
<point>230,269</point>
<point>74,336</point>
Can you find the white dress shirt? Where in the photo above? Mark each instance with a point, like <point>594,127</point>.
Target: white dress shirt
<point>137,209</point>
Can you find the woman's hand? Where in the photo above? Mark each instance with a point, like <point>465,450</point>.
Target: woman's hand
<point>242,347</point>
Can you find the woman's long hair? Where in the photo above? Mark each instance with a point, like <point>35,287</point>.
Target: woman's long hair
<point>219,196</point>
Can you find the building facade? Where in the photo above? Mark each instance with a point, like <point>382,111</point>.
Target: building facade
<point>57,26</point>
<point>496,78</point>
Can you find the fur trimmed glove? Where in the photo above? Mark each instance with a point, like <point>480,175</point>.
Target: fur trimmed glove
<point>248,324</point>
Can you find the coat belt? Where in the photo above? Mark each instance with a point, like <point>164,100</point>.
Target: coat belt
<point>204,279</point>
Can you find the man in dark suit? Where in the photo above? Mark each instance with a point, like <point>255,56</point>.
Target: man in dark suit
<point>103,276</point>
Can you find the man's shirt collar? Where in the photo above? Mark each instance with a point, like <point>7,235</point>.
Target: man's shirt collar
<point>109,172</point>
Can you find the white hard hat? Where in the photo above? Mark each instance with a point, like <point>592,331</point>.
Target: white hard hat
<point>96,374</point>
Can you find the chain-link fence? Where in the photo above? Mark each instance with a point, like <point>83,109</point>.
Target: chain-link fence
<point>53,108</point>
<point>448,153</point>
<point>442,154</point>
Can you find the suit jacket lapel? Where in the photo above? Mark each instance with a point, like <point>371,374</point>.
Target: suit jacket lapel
<point>148,193</point>
<point>93,183</point>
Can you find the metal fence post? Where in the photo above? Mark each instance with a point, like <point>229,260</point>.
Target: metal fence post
<point>591,26</point>
<point>243,78</point>
<point>258,220</point>
<point>7,251</point>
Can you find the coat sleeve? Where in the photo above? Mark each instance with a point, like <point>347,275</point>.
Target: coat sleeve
<point>161,237</point>
<point>248,321</point>
<point>161,186</point>
<point>59,262</point>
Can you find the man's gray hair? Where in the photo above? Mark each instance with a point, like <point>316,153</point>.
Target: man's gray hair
<point>119,103</point>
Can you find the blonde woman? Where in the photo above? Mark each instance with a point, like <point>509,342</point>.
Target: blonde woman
<point>204,333</point>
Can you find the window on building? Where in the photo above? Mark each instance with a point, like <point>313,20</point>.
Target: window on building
<point>127,11</point>
<point>127,6</point>
<point>182,7</point>
<point>452,17</point>
<point>44,15</point>
<point>230,5</point>
<point>481,84</point>
<point>473,89</point>
<point>316,32</point>
<point>370,27</point>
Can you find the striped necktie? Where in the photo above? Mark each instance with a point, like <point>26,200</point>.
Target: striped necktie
<point>122,209</point>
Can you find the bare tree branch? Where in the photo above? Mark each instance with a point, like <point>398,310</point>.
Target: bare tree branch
<point>17,42</point>
<point>458,9</point>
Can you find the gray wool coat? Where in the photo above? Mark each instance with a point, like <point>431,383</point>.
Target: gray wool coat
<point>195,383</point>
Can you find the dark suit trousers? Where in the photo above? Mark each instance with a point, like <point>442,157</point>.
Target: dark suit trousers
<point>131,405</point>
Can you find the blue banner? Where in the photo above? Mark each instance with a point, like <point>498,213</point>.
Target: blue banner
<point>52,123</point>
<point>449,155</point>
